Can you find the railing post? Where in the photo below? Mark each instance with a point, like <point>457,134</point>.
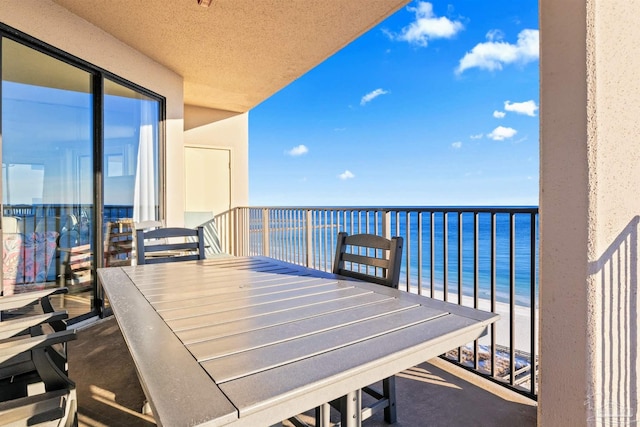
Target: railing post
<point>241,225</point>
<point>225,222</point>
<point>265,232</point>
<point>233,225</point>
<point>233,232</point>
<point>309,239</point>
<point>386,224</point>
<point>246,233</point>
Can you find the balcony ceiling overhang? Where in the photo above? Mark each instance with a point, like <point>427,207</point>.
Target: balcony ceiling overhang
<point>235,53</point>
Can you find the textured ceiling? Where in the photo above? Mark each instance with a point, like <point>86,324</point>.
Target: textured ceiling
<point>235,53</point>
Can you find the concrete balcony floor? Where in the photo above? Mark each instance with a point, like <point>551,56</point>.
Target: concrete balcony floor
<point>434,393</point>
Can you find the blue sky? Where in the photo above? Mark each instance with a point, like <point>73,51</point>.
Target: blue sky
<point>436,105</point>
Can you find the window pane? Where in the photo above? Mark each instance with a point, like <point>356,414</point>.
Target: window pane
<point>47,179</point>
<point>131,190</point>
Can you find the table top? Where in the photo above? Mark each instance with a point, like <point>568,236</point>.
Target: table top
<point>253,341</point>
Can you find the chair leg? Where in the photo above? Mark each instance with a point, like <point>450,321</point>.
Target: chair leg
<point>389,391</point>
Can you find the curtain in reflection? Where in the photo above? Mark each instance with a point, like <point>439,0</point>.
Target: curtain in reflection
<point>144,201</point>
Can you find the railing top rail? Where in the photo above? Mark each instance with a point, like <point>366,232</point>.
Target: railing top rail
<point>478,209</point>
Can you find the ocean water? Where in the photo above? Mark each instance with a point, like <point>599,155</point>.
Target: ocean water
<point>520,275</point>
<point>511,277</point>
<point>476,245</point>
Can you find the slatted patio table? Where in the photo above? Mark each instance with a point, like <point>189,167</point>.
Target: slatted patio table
<point>251,341</point>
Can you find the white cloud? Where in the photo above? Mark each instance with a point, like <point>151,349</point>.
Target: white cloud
<point>495,35</point>
<point>501,133</point>
<point>499,114</point>
<point>457,144</point>
<point>528,108</point>
<point>298,151</point>
<point>373,94</point>
<point>346,175</point>
<point>523,139</point>
<point>476,136</point>
<point>492,55</point>
<point>427,26</point>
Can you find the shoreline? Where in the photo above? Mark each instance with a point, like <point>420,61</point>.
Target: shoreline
<point>501,297</point>
<point>522,321</point>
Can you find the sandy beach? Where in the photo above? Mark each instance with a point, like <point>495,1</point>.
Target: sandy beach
<point>522,339</point>
<point>522,321</point>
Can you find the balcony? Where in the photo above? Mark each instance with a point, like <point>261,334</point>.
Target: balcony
<point>479,257</point>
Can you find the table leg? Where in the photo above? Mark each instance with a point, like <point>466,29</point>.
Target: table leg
<point>323,415</point>
<point>350,412</point>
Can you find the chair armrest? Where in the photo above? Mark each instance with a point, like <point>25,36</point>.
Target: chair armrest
<point>11,302</point>
<point>14,347</point>
<point>36,355</point>
<point>10,328</point>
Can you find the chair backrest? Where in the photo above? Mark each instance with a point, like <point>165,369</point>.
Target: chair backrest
<point>148,224</point>
<point>181,244</point>
<point>10,224</point>
<point>369,257</point>
<point>77,263</point>
<point>118,243</point>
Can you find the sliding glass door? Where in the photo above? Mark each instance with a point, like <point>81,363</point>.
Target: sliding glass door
<point>131,176</point>
<point>47,184</point>
<point>80,152</point>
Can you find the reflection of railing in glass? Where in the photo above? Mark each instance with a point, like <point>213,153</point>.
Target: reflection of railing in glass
<point>50,244</point>
<point>31,255</point>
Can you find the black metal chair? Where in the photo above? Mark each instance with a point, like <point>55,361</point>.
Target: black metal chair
<point>170,244</point>
<point>369,257</point>
<point>33,350</point>
<point>374,259</point>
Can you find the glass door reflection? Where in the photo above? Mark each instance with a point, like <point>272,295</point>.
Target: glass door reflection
<point>47,175</point>
<point>131,176</point>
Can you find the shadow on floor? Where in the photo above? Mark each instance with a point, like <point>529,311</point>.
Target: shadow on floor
<point>109,393</point>
<point>431,394</point>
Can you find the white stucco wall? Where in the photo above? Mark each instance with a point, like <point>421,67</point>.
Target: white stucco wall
<point>215,128</point>
<point>58,27</point>
<point>589,212</point>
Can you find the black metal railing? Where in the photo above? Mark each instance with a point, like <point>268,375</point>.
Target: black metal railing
<point>53,216</point>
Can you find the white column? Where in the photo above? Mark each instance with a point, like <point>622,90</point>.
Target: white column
<point>589,203</point>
